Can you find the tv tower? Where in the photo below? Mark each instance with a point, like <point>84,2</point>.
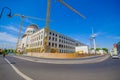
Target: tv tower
<point>93,36</point>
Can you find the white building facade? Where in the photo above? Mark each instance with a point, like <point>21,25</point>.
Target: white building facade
<point>82,49</point>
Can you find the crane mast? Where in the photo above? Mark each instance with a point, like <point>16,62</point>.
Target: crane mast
<point>19,33</point>
<point>45,45</point>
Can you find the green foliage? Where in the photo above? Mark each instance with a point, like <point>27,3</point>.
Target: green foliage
<point>105,49</point>
<point>97,49</point>
<point>4,51</point>
<point>8,51</point>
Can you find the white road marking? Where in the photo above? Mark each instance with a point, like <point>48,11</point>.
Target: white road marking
<point>18,71</point>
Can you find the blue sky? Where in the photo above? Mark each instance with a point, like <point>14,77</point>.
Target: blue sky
<point>102,15</point>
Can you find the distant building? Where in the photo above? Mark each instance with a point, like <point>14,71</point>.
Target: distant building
<point>101,52</point>
<point>118,47</point>
<point>33,40</point>
<point>115,49</point>
<point>82,49</point>
<point>111,51</point>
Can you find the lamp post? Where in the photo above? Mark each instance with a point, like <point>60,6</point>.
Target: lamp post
<point>9,14</point>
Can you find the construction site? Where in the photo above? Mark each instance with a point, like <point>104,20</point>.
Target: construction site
<point>37,42</point>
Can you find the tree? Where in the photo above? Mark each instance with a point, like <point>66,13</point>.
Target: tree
<point>105,49</point>
<point>97,49</point>
<point>4,51</point>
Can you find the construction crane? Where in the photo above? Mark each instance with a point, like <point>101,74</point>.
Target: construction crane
<point>21,24</point>
<point>45,46</point>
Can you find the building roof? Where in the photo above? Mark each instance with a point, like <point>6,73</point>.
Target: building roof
<point>24,35</point>
<point>33,26</point>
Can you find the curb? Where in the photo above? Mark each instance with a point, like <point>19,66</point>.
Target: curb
<point>93,60</point>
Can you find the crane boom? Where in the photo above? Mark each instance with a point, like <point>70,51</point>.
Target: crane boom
<point>23,16</point>
<point>71,8</point>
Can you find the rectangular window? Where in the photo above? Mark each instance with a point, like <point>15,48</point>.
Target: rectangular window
<point>59,40</point>
<point>55,44</point>
<point>41,42</point>
<point>59,45</point>
<point>49,44</point>
<point>56,35</point>
<point>50,33</point>
<point>41,36</point>
<point>49,37</point>
<point>52,44</point>
<point>53,34</point>
<point>55,39</point>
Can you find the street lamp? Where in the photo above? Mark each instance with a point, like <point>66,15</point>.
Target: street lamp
<point>9,14</point>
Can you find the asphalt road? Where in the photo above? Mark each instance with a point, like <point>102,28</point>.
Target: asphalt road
<point>6,71</point>
<point>106,70</point>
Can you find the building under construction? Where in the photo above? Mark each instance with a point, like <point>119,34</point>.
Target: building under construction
<point>34,39</point>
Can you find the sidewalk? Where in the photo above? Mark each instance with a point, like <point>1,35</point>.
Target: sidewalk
<point>92,59</point>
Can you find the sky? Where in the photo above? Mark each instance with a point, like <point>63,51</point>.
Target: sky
<point>101,15</point>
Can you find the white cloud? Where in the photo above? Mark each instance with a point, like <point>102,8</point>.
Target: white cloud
<point>7,37</point>
<point>28,21</point>
<point>7,45</point>
<point>12,28</point>
<point>114,37</point>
